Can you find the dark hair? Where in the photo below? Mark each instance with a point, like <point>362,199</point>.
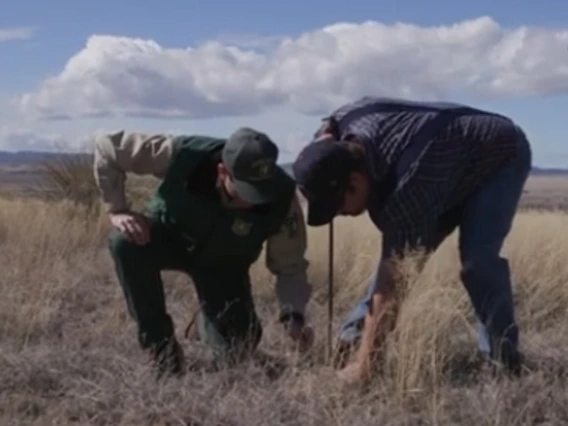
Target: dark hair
<point>357,153</point>
<point>357,158</point>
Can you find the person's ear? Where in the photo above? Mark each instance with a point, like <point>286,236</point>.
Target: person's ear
<point>355,181</point>
<point>222,170</point>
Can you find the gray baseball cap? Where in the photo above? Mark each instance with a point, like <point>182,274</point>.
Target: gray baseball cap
<point>250,158</point>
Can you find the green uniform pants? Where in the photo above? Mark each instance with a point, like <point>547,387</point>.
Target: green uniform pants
<point>228,321</point>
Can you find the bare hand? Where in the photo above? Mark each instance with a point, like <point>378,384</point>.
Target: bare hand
<point>353,374</point>
<point>133,226</point>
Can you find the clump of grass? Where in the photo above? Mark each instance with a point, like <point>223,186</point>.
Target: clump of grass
<point>67,177</point>
<point>68,350</point>
<point>70,177</point>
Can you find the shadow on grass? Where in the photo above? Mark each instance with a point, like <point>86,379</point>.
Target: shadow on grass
<point>271,366</point>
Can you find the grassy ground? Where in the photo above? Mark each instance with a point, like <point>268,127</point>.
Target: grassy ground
<point>68,352</point>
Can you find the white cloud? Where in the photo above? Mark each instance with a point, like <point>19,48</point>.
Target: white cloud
<point>311,73</point>
<point>21,33</point>
<point>250,40</point>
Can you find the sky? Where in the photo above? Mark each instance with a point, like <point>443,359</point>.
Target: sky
<point>71,70</point>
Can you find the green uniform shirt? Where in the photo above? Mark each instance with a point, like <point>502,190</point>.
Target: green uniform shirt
<point>215,233</point>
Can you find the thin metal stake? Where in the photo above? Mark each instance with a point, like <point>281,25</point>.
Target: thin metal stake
<point>330,294</point>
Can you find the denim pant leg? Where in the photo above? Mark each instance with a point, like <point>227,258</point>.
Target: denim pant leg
<point>483,342</point>
<point>486,222</point>
<point>350,331</point>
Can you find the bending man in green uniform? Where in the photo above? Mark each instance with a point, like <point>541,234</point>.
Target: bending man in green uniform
<point>219,200</point>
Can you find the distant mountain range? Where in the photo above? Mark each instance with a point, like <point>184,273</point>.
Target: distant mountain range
<point>30,158</point>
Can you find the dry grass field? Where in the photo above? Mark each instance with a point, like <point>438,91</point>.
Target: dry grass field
<point>68,351</point>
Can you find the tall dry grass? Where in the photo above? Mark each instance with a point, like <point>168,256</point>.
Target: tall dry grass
<point>68,352</point>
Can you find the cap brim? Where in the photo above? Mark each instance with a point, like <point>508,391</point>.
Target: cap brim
<point>261,192</point>
<point>321,212</point>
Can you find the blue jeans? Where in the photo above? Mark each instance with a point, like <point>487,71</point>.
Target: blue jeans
<point>485,220</point>
<point>350,331</point>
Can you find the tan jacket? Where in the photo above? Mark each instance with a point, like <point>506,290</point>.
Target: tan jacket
<point>121,152</point>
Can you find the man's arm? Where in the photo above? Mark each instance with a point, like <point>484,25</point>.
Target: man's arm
<point>121,152</point>
<point>382,314</point>
<point>389,290</point>
<point>285,258</point>
<point>409,219</point>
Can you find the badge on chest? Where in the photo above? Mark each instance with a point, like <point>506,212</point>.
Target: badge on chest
<point>240,227</point>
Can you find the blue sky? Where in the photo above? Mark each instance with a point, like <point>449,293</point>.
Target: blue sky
<point>59,29</point>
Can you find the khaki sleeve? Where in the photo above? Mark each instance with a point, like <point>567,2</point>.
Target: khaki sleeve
<point>117,153</point>
<point>285,258</point>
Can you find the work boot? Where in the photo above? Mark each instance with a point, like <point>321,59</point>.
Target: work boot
<point>168,357</point>
<point>514,361</point>
<point>511,361</point>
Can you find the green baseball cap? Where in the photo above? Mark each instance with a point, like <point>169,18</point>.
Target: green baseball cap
<point>250,158</point>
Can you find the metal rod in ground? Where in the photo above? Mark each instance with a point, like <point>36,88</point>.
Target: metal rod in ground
<point>330,294</point>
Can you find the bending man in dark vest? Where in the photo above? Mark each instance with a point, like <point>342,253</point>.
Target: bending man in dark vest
<point>421,170</point>
<point>217,203</point>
